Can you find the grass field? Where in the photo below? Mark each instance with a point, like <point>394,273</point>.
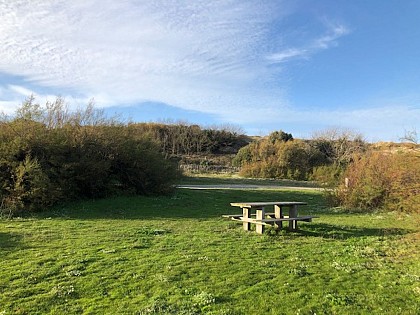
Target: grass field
<point>176,255</point>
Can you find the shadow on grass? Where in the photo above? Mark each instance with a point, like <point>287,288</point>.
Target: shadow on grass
<point>10,241</point>
<point>330,231</point>
<point>184,203</point>
<point>209,180</point>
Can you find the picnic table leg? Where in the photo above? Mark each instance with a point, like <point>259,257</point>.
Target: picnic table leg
<point>293,213</point>
<point>246,213</point>
<point>278,214</point>
<point>260,214</point>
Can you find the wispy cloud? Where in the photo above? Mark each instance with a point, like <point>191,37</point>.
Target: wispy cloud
<point>11,96</point>
<point>313,46</point>
<point>202,55</point>
<point>180,53</point>
<point>330,39</point>
<point>208,56</point>
<point>287,54</point>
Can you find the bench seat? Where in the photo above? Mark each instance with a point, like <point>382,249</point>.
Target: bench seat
<point>240,215</point>
<point>302,218</point>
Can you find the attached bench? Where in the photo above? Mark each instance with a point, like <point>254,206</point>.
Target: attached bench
<point>276,222</point>
<point>262,218</point>
<point>240,215</point>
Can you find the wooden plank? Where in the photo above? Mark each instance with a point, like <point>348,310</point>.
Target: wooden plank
<point>293,214</point>
<point>260,215</point>
<point>266,203</point>
<point>246,214</point>
<point>271,220</point>
<point>240,215</point>
<point>278,213</point>
<point>303,218</point>
<point>249,220</point>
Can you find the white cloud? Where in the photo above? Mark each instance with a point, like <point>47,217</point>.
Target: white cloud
<point>12,96</point>
<point>184,53</point>
<point>20,90</point>
<point>312,47</point>
<point>209,56</point>
<point>288,54</point>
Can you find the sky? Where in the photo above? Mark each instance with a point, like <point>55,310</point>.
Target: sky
<point>301,66</point>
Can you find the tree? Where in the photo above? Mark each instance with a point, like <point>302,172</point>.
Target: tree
<point>280,136</point>
<point>338,145</point>
<point>410,136</point>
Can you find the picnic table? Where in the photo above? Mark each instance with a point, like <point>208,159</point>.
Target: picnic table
<point>255,213</point>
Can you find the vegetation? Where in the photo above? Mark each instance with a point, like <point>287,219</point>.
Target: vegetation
<point>280,156</point>
<point>382,180</point>
<point>176,255</point>
<point>359,176</point>
<point>180,139</point>
<point>49,154</point>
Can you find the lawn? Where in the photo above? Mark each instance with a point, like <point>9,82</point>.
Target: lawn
<point>176,255</point>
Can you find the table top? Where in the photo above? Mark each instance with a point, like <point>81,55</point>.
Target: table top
<point>268,203</point>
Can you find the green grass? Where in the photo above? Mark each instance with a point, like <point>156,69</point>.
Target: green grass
<point>176,255</point>
<point>226,179</point>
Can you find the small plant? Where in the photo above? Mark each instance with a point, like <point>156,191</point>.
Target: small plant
<point>335,299</point>
<point>63,291</point>
<point>300,271</point>
<point>203,299</point>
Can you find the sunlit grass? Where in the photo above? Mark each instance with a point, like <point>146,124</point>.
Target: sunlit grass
<point>176,255</point>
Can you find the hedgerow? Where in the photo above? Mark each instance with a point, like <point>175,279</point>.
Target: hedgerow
<point>50,154</point>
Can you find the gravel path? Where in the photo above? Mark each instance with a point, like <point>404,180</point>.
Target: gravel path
<point>245,186</point>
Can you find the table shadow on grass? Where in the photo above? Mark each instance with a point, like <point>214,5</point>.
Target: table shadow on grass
<point>330,231</point>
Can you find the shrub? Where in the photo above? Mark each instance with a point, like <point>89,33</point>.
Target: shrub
<point>323,158</point>
<point>27,187</point>
<point>279,136</point>
<point>327,175</point>
<point>275,160</point>
<point>382,180</point>
<point>48,154</point>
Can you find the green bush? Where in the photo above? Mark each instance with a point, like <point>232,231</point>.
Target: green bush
<point>280,156</point>
<point>48,154</point>
<point>327,175</point>
<point>275,160</point>
<point>27,187</point>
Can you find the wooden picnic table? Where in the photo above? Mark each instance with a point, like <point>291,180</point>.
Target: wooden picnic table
<point>263,218</point>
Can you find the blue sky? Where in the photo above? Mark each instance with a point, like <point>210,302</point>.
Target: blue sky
<point>302,66</point>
